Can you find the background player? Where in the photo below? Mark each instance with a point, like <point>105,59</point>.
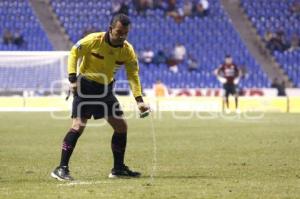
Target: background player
<point>229,75</point>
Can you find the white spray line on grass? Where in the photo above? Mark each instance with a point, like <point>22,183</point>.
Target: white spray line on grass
<point>77,182</point>
<point>154,158</point>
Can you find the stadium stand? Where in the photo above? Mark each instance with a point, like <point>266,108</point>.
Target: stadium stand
<point>18,16</point>
<point>277,16</point>
<point>208,39</point>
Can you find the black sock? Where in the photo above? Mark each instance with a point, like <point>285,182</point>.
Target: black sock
<point>68,146</point>
<point>118,146</point>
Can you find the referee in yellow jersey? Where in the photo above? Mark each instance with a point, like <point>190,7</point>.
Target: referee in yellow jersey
<point>101,54</point>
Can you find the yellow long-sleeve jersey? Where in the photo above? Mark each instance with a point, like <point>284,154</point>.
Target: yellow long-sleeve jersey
<point>100,60</point>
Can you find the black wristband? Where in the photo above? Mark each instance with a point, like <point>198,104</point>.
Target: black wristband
<point>139,99</point>
<point>72,77</point>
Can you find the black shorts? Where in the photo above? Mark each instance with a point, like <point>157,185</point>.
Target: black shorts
<point>229,89</point>
<point>94,99</point>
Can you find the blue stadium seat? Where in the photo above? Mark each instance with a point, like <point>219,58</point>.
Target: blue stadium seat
<point>18,15</point>
<point>276,16</point>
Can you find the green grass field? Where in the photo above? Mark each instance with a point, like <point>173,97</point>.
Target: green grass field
<point>196,158</point>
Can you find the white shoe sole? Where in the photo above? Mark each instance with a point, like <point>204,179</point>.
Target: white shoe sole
<point>112,176</point>
<point>53,175</point>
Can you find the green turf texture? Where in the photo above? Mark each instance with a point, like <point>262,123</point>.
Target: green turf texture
<point>199,157</point>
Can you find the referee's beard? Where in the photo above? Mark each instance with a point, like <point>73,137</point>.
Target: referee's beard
<point>116,42</point>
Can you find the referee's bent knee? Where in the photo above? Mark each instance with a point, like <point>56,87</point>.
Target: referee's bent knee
<point>78,126</point>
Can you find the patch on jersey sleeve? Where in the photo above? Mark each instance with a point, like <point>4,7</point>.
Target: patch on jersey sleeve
<point>78,45</point>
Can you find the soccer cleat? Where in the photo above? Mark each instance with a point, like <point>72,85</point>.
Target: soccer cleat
<point>238,111</point>
<point>123,172</point>
<point>62,173</point>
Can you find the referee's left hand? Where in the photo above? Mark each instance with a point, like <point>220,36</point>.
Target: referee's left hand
<point>144,108</point>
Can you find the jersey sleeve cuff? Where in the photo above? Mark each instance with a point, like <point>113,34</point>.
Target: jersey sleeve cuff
<point>139,99</point>
<point>72,77</point>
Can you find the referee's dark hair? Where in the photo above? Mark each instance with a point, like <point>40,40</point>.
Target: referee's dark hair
<point>124,19</point>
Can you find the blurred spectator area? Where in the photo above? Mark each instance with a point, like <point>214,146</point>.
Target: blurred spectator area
<point>207,39</point>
